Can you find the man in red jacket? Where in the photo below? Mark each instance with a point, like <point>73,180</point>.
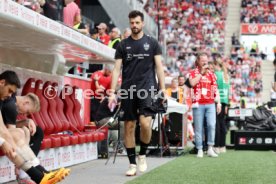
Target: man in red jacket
<point>101,81</point>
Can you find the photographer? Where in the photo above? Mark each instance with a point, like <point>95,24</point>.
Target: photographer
<point>140,56</point>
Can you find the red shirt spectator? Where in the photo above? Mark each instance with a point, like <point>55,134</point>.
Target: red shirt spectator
<point>104,37</point>
<point>101,81</point>
<point>205,91</point>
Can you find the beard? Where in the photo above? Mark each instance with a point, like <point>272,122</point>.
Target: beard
<point>136,30</point>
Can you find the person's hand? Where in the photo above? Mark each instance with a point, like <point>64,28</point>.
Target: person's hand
<point>32,127</point>
<point>163,94</point>
<point>218,108</point>
<point>197,78</point>
<point>189,109</point>
<point>204,69</point>
<point>226,110</point>
<point>96,77</point>
<point>8,150</point>
<point>112,102</point>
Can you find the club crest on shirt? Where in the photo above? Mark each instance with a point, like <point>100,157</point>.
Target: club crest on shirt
<point>129,57</point>
<point>146,46</point>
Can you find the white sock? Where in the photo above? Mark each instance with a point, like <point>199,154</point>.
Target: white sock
<point>22,174</point>
<point>36,162</point>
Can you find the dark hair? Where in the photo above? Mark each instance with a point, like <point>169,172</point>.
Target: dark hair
<point>11,78</point>
<point>93,31</point>
<point>136,13</point>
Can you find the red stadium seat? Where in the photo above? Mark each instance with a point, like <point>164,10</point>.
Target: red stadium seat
<point>81,124</point>
<point>49,126</point>
<point>49,94</point>
<point>77,109</point>
<point>64,123</point>
<point>29,87</point>
<point>46,143</point>
<point>74,139</point>
<point>38,120</point>
<point>71,110</point>
<point>68,107</point>
<point>59,110</point>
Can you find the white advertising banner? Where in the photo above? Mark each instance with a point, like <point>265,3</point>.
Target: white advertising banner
<point>64,156</point>
<point>6,170</point>
<point>47,158</point>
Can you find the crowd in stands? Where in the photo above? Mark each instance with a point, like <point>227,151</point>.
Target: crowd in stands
<point>258,11</point>
<point>189,26</point>
<point>192,26</point>
<point>198,24</point>
<point>246,77</point>
<point>245,70</point>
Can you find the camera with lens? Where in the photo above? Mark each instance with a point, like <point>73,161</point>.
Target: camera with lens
<point>158,105</point>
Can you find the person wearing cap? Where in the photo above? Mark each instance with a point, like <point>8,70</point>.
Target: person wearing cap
<point>102,29</point>
<point>115,38</point>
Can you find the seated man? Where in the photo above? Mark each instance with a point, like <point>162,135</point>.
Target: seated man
<point>13,142</point>
<point>24,105</point>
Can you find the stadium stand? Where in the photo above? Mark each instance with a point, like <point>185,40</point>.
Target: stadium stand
<point>246,78</point>
<point>189,27</point>
<point>254,11</point>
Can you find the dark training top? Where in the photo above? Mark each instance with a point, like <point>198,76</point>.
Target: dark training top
<point>1,104</point>
<point>9,110</point>
<point>138,62</point>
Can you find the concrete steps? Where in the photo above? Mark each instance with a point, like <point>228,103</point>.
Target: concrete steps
<point>267,77</point>
<point>232,24</point>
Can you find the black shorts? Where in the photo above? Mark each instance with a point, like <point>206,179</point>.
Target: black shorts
<point>94,105</point>
<point>134,106</point>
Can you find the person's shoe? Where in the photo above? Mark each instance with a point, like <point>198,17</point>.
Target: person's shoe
<point>142,163</point>
<point>211,153</point>
<point>222,149</point>
<point>55,177</point>
<point>216,150</point>
<point>131,170</point>
<point>62,172</point>
<point>199,153</point>
<point>193,151</point>
<point>25,181</point>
